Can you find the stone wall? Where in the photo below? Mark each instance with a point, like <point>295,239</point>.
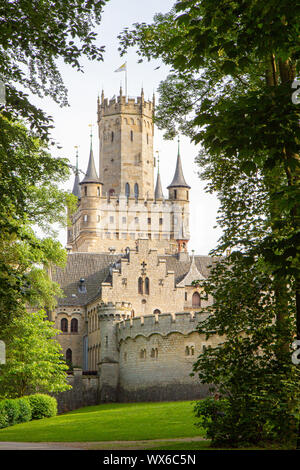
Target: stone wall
<point>84,392</point>
<point>157,354</point>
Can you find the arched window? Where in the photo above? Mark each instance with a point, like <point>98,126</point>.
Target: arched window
<point>156,311</point>
<point>140,285</point>
<point>143,353</point>
<point>111,192</point>
<point>64,325</point>
<point>196,299</point>
<point>98,190</point>
<point>74,325</point>
<point>187,351</point>
<point>127,189</point>
<point>136,190</point>
<point>69,356</point>
<point>147,286</point>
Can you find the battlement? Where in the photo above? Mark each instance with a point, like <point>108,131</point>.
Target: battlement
<point>125,105</point>
<point>163,324</point>
<point>114,311</point>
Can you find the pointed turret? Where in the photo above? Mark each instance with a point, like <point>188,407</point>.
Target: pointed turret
<point>76,187</point>
<point>178,180</point>
<point>158,194</point>
<point>91,173</point>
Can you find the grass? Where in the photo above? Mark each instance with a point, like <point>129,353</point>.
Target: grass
<point>111,422</point>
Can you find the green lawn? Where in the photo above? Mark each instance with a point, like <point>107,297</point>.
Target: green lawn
<point>110,422</point>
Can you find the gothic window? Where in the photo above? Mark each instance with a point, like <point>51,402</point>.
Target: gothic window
<point>196,299</point>
<point>69,356</point>
<point>140,285</point>
<point>156,311</point>
<point>147,286</point>
<point>111,192</point>
<point>74,325</point>
<point>143,354</point>
<point>64,325</point>
<point>136,190</point>
<point>131,136</point>
<point>127,190</point>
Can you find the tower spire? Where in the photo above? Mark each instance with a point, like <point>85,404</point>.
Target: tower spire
<point>76,187</point>
<point>178,180</point>
<point>158,193</point>
<point>91,173</point>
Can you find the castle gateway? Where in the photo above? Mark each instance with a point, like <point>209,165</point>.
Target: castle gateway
<point>130,308</point>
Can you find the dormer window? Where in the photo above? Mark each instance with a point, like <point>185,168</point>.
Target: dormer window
<point>82,286</point>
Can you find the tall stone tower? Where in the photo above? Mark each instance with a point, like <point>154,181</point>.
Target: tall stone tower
<point>120,206</point>
<point>126,146</point>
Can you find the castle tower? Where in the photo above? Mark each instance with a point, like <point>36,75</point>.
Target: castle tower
<point>126,146</point>
<point>119,208</point>
<point>179,194</point>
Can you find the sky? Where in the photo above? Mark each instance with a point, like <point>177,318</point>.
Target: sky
<point>72,123</point>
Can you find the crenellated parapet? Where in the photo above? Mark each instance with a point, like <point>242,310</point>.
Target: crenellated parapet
<point>162,324</point>
<point>125,105</point>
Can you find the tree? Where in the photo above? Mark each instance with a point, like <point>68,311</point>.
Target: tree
<point>34,360</point>
<point>233,64</point>
<point>34,35</point>
<point>29,196</point>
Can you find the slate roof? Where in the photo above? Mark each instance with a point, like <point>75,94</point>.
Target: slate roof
<point>181,268</point>
<point>94,268</point>
<point>91,173</point>
<point>158,194</point>
<point>192,275</point>
<point>76,187</point>
<point>178,180</point>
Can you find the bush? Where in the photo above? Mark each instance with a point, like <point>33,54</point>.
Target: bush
<point>12,410</point>
<point>42,406</point>
<point>24,410</point>
<point>3,416</point>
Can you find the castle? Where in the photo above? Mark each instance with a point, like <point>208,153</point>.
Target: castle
<point>130,306</point>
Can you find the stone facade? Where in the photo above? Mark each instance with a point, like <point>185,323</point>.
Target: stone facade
<point>131,305</point>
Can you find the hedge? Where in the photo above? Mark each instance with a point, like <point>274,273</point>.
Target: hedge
<point>22,410</point>
<point>42,406</point>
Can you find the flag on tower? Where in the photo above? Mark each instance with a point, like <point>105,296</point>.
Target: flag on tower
<point>123,68</point>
